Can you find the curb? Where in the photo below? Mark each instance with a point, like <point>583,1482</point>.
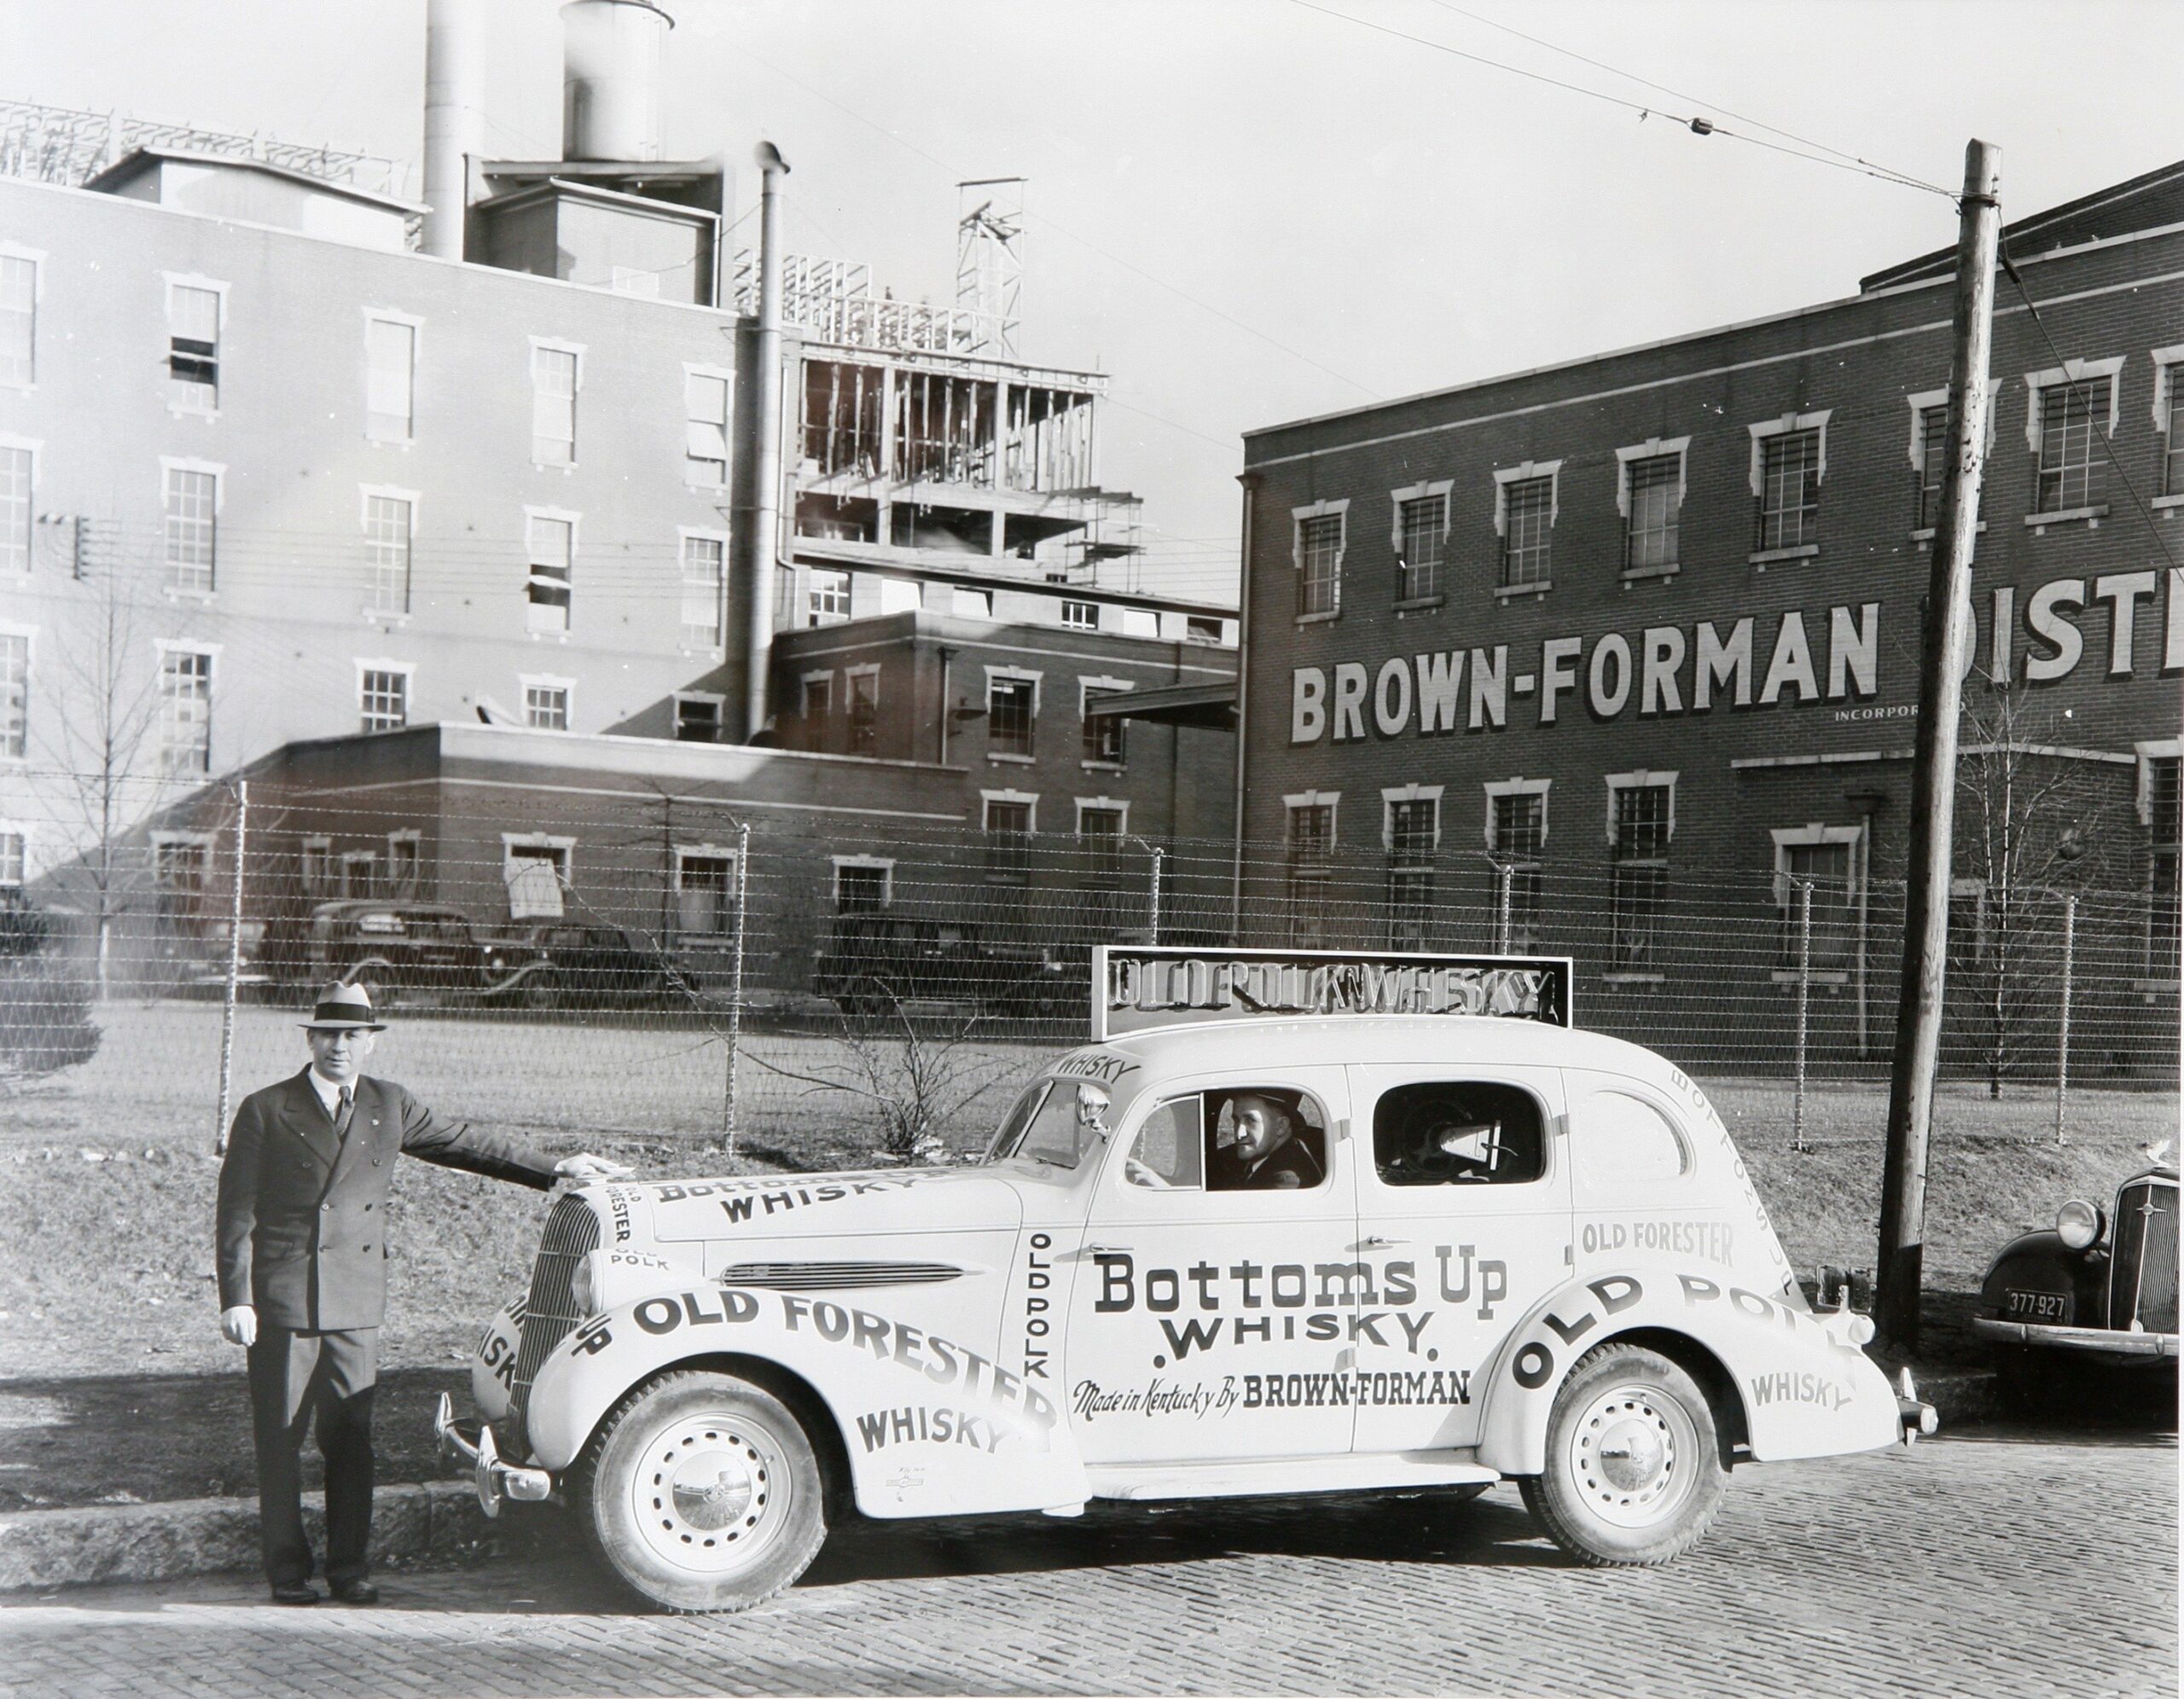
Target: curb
<point>435,1523</point>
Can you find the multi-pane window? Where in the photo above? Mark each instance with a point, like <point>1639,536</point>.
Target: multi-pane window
<point>1520,821</point>
<point>2173,428</point>
<point>1652,531</point>
<point>1008,840</point>
<point>1789,489</point>
<point>383,698</point>
<point>13,846</point>
<point>552,545</point>
<point>818,695</point>
<point>1423,522</point>
<point>390,379</point>
<point>705,896</point>
<point>1010,719</point>
<point>1527,531</point>
<point>193,503</point>
<point>2163,940</point>
<point>1413,828</point>
<point>181,870</point>
<point>15,469</point>
<point>193,348</point>
<point>546,707</point>
<point>705,580</point>
<point>864,710</point>
<point>2071,413</point>
<point>1103,732</point>
<point>697,719</point>
<point>1640,871</point>
<point>387,521</point>
<point>1081,616</point>
<point>1933,465</point>
<point>18,319</point>
<point>1319,564</point>
<point>1311,879</point>
<point>705,429</point>
<point>186,711</point>
<point>1828,868</point>
<point>827,597</point>
<point>553,406</point>
<point>15,695</point>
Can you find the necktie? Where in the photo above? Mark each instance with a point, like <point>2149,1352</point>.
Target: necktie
<point>342,1115</point>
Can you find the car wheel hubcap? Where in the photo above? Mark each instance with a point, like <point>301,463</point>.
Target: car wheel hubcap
<point>1631,1456</point>
<point>712,1493</point>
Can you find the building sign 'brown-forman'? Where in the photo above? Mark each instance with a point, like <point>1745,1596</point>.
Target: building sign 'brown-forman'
<point>1138,989</point>
<point>1798,655</point>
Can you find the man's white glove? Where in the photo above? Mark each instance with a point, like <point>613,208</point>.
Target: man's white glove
<point>587,1166</point>
<point>239,1324</point>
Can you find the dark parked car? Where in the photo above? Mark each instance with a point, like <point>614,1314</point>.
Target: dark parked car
<point>2098,1287</point>
<point>872,962</point>
<point>567,964</point>
<point>397,948</point>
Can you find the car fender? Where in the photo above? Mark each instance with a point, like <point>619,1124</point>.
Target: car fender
<point>492,1364</point>
<point>1804,1392</point>
<point>2041,1261</point>
<point>930,1427</point>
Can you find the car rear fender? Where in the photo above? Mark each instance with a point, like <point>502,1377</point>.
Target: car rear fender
<point>1802,1388</point>
<point>930,1427</point>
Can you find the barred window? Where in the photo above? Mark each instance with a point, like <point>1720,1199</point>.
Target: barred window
<point>1414,829</point>
<point>2070,415</point>
<point>553,406</point>
<point>1830,869</point>
<point>1789,489</point>
<point>193,348</point>
<point>1008,841</point>
<point>2173,462</point>
<point>1528,531</point>
<point>1650,536</point>
<point>1010,720</point>
<point>827,598</point>
<point>18,319</point>
<point>546,707</point>
<point>390,379</point>
<point>1319,560</point>
<point>16,515</point>
<point>1519,823</point>
<point>388,538</point>
<point>186,711</point>
<point>2162,936</point>
<point>193,501</point>
<point>862,888</point>
<point>705,429</point>
<point>1933,465</point>
<point>1639,872</point>
<point>550,581</point>
<point>1099,830</point>
<point>1424,524</point>
<point>1311,879</point>
<point>1103,733</point>
<point>705,580</point>
<point>14,695</point>
<point>384,699</point>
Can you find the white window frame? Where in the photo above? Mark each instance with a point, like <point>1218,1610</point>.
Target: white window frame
<point>815,675</point>
<point>1653,447</point>
<point>161,648</point>
<point>1393,794</point>
<point>686,853</point>
<point>1806,837</point>
<point>35,448</point>
<point>171,281</point>
<point>1068,624</point>
<point>366,494</point>
<point>685,537</point>
<point>1641,779</point>
<point>207,840</point>
<point>2157,749</point>
<point>691,462</point>
<point>2166,362</point>
<point>565,872</point>
<point>1120,804</point>
<point>720,707</point>
<point>415,326</point>
<point>36,256</point>
<point>217,471</point>
<point>1320,510</point>
<point>1031,822</point>
<point>554,345</point>
<point>850,676</point>
<point>407,669</point>
<point>2071,372</point>
<point>526,682</point>
<point>1445,489</point>
<point>29,635</point>
<point>27,833</point>
<point>884,864</point>
<point>1783,426</point>
<point>1330,800</point>
<point>314,858</point>
<point>813,619</point>
<point>575,523</point>
<point>1515,786</point>
<point>1524,473</point>
<point>1015,674</point>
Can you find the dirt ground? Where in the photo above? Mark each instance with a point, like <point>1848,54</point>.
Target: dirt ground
<point>113,1380</point>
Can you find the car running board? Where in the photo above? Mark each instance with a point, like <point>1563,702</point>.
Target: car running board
<point>1290,1474</point>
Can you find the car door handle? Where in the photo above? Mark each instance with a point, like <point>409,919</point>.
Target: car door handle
<point>1376,1243</point>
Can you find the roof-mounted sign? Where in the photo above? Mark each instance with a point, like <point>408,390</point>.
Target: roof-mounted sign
<point>1145,988</point>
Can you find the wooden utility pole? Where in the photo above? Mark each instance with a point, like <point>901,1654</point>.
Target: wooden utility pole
<point>1933,773</point>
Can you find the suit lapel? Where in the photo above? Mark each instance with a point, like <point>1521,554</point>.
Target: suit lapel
<point>365,1122</point>
<point>307,1119</point>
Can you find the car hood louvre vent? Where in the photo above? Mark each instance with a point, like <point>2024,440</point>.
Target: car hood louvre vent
<point>836,1276</point>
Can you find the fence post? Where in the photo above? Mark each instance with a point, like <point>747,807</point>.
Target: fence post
<point>1804,1010</point>
<point>736,981</point>
<point>2062,1041</point>
<point>1158,855</point>
<point>234,972</point>
<point>1504,877</point>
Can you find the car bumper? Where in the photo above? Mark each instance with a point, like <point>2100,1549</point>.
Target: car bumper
<point>2108,1341</point>
<point>494,1479</point>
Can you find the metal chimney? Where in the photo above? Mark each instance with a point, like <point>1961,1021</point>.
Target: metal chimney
<point>454,117</point>
<point>610,79</point>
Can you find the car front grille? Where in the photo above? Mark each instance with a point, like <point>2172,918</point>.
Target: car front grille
<point>2144,1279</point>
<point>551,1311</point>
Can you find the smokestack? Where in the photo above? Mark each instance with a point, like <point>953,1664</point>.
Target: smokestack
<point>766,457</point>
<point>455,117</point>
<point>610,79</point>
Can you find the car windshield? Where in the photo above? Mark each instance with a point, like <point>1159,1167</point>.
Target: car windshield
<point>1056,1122</point>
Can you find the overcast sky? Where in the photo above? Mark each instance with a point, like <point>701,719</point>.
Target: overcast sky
<point>1248,211</point>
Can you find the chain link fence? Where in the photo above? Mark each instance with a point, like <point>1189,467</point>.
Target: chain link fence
<point>762,979</point>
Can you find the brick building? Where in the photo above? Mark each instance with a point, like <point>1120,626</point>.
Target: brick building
<point>1581,659</point>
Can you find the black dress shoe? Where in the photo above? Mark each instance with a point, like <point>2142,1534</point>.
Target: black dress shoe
<point>358,1591</point>
<point>294,1592</point>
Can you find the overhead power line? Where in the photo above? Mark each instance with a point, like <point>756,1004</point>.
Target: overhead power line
<point>1695,123</point>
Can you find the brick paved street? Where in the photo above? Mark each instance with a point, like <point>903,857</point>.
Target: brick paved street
<point>2011,1562</point>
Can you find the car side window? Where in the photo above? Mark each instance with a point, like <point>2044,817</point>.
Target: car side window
<point>1458,1133</point>
<point>1264,1138</point>
<point>1617,1140</point>
<point>1165,1155</point>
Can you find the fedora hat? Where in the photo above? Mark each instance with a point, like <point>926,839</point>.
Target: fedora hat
<point>344,1008</point>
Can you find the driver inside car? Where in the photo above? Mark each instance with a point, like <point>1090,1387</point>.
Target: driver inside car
<point>1269,1151</point>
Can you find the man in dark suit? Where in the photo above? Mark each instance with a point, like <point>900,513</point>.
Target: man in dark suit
<point>302,1254</point>
<point>1270,1153</point>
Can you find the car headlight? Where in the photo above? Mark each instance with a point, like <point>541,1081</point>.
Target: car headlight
<point>581,1285</point>
<point>2078,1223</point>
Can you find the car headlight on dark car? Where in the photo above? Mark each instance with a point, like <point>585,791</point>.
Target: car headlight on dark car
<point>2078,1223</point>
